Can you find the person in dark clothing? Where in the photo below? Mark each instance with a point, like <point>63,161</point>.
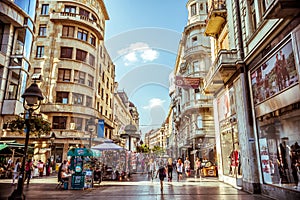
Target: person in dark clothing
<point>48,167</point>
<point>170,169</point>
<point>161,172</point>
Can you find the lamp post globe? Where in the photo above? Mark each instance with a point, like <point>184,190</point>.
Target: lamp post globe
<point>32,101</point>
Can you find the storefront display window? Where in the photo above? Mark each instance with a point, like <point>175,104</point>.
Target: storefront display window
<point>229,134</point>
<point>279,137</point>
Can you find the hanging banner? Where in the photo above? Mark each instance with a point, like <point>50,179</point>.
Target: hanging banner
<point>100,128</point>
<point>187,82</point>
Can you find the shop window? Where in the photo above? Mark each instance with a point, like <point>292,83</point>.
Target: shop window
<point>42,30</point>
<point>45,9</point>
<point>64,75</point>
<point>68,31</point>
<point>62,97</point>
<point>81,55</point>
<point>66,52</point>
<point>40,51</point>
<point>59,122</point>
<point>279,146</point>
<point>77,99</point>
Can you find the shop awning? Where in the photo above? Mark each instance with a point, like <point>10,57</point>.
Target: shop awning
<point>2,146</point>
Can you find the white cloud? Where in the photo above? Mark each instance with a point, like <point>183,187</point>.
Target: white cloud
<point>138,52</point>
<point>154,103</point>
<point>149,55</point>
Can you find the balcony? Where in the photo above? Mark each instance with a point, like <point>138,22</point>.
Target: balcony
<point>281,9</point>
<point>195,105</point>
<point>195,50</point>
<point>78,19</point>
<point>221,71</point>
<point>216,17</point>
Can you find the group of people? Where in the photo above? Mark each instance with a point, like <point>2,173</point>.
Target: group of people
<point>29,167</point>
<point>165,170</point>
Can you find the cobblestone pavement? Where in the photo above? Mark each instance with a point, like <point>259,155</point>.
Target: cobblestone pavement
<point>137,188</point>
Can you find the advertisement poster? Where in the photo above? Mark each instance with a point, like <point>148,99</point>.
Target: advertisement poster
<point>275,74</point>
<point>265,160</point>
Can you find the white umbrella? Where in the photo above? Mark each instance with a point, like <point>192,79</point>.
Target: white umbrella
<point>107,146</point>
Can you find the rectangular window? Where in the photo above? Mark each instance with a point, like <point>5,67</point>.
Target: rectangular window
<point>37,70</point>
<point>79,77</point>
<point>59,122</point>
<point>40,51</point>
<point>193,9</point>
<point>253,15</point>
<point>77,99</point>
<point>68,31</point>
<point>89,101</point>
<point>82,34</point>
<point>42,30</point>
<point>64,75</point>
<point>92,40</point>
<point>45,9</point>
<point>66,52</point>
<point>92,60</point>
<point>84,12</point>
<point>70,9</point>
<point>78,123</point>
<point>81,55</point>
<point>90,80</point>
<point>62,97</point>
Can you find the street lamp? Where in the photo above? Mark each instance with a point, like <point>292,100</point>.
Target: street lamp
<point>91,126</point>
<point>52,140</point>
<point>32,101</point>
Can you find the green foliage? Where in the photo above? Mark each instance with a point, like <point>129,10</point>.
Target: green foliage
<point>158,150</point>
<point>37,125</point>
<point>143,149</point>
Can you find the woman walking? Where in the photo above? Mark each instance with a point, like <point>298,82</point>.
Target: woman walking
<point>151,169</point>
<point>179,167</point>
<point>16,170</point>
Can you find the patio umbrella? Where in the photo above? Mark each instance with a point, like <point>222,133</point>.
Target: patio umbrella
<point>106,146</point>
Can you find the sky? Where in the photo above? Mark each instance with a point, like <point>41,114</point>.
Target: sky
<point>142,38</point>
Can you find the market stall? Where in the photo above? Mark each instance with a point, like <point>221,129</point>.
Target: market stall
<point>81,166</point>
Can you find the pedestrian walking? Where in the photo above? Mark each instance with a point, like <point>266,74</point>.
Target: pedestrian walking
<point>40,168</point>
<point>187,167</point>
<point>170,169</point>
<point>198,167</point>
<point>152,169</point>
<point>16,170</point>
<point>161,172</point>
<point>28,170</point>
<point>48,167</point>
<point>179,167</point>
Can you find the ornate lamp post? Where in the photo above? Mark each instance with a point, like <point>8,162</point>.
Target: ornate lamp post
<point>52,140</point>
<point>32,101</point>
<point>91,126</point>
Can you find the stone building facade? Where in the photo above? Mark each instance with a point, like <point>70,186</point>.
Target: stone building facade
<point>192,110</point>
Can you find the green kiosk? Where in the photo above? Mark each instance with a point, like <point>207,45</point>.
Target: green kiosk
<point>81,166</point>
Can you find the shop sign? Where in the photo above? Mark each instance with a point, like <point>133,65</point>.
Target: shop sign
<point>187,82</point>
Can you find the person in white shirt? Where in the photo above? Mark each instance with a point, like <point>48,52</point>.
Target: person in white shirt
<point>179,167</point>
<point>16,170</point>
<point>187,167</point>
<point>152,169</point>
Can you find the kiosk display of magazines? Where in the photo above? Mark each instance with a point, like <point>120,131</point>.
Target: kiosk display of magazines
<point>81,167</point>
